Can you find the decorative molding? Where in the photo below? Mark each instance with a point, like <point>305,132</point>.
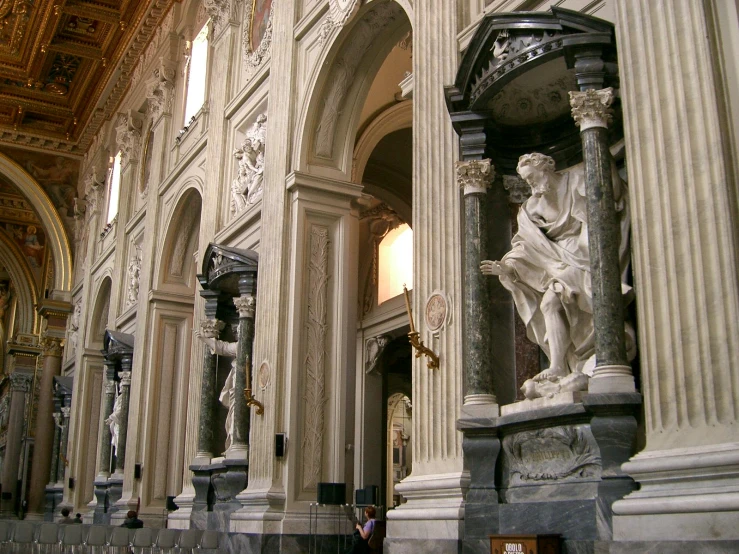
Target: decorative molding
<point>316,330</point>
<point>219,12</point>
<point>340,12</point>
<point>591,108</point>
<point>125,377</point>
<point>343,70</point>
<point>383,219</point>
<point>246,304</point>
<point>475,176</point>
<point>264,375</point>
<point>253,59</point>
<point>246,189</point>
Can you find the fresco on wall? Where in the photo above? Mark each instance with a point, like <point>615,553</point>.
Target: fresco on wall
<point>259,22</point>
<point>57,175</point>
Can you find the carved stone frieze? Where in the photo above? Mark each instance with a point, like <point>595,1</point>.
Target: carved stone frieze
<point>475,176</point>
<point>219,11</point>
<point>342,73</point>
<point>555,454</point>
<point>246,189</point>
<point>314,395</point>
<point>591,108</point>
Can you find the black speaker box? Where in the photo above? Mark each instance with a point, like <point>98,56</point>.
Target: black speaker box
<point>368,496</point>
<point>332,493</point>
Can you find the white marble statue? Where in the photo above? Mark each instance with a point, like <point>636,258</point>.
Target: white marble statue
<point>74,325</point>
<point>247,186</point>
<point>228,392</point>
<point>114,422</point>
<point>548,272</point>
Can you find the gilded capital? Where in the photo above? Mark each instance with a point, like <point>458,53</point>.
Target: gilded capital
<point>211,328</point>
<point>51,346</point>
<point>475,176</point>
<point>246,304</point>
<point>591,108</point>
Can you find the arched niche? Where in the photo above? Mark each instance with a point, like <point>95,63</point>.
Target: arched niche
<point>49,217</point>
<point>20,274</point>
<point>177,263</point>
<point>341,85</point>
<point>101,309</point>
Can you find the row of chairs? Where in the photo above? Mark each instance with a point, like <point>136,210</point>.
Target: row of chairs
<point>53,538</point>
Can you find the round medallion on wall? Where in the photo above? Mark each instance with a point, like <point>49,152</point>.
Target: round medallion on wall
<point>436,311</point>
<point>263,375</point>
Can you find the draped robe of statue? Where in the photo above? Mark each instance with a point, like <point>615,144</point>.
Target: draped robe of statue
<point>553,253</point>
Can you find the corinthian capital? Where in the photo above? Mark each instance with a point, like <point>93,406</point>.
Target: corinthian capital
<point>128,136</point>
<point>20,381</point>
<point>51,346</point>
<point>246,305</point>
<point>211,328</point>
<point>591,108</point>
<point>475,176</point>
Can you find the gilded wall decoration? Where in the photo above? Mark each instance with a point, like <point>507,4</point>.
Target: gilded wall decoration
<point>257,36</point>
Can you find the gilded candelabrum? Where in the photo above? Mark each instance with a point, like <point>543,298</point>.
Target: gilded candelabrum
<point>413,336</point>
<point>250,400</point>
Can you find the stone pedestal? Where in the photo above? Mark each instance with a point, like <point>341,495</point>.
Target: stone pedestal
<point>216,487</point>
<point>550,470</point>
<point>102,501</point>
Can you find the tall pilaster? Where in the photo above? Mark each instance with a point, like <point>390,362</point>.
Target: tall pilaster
<point>20,386</point>
<point>686,271</point>
<point>44,432</point>
<point>612,373</point>
<point>438,476</point>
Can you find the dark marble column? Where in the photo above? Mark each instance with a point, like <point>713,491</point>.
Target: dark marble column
<point>20,385</point>
<point>592,114</point>
<point>475,177</point>
<point>125,375</point>
<point>54,469</point>
<point>107,409</point>
<point>210,329</point>
<point>239,445</point>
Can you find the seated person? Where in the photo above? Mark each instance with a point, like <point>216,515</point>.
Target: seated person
<point>132,520</point>
<point>363,533</point>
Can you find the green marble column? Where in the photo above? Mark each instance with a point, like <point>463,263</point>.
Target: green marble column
<point>475,178</point>
<point>210,329</point>
<point>245,304</point>
<point>591,111</point>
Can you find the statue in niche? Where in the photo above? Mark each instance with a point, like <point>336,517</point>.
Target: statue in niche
<point>247,186</point>
<point>548,273</point>
<point>228,392</point>
<point>74,325</point>
<point>114,421</point>
<point>134,275</point>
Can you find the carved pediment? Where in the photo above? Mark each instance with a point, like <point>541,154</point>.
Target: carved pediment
<point>224,266</point>
<point>117,345</point>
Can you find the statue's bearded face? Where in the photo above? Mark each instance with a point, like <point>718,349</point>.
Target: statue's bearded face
<point>537,178</point>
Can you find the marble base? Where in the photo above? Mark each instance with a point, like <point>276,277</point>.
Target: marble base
<point>100,513</point>
<point>480,410</point>
<point>427,546</point>
<point>681,527</point>
<point>539,403</point>
<point>674,547</point>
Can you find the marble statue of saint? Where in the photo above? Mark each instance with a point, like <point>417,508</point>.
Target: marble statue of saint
<point>548,272</point>
<point>228,392</point>
<point>247,186</point>
<point>74,325</point>
<point>114,422</point>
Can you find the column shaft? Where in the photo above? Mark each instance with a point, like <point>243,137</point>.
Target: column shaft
<point>53,470</point>
<point>105,435</point>
<point>20,385</point>
<point>64,438</point>
<point>44,432</point>
<point>120,457</point>
<point>245,305</point>
<point>207,405</point>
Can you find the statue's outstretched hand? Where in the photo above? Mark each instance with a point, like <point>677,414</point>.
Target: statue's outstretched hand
<point>489,267</point>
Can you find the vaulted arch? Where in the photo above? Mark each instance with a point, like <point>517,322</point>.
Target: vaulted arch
<point>27,295</point>
<point>53,227</point>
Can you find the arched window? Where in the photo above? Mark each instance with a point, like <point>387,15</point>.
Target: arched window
<point>196,74</point>
<point>395,267</point>
<point>114,190</point>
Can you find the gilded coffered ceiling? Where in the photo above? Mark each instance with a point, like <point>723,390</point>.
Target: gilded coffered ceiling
<point>64,65</point>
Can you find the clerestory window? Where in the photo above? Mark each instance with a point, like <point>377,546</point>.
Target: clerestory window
<point>196,74</point>
<point>114,189</point>
<point>395,266</point>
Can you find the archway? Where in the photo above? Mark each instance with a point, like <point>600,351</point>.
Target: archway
<point>51,221</point>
